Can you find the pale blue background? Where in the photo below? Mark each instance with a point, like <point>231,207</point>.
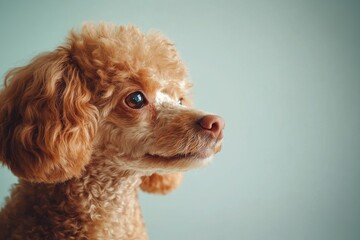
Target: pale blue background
<point>286,77</point>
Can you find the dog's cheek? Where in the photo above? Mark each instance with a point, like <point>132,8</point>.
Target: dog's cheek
<point>130,135</point>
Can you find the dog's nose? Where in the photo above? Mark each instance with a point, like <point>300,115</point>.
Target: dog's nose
<point>214,124</point>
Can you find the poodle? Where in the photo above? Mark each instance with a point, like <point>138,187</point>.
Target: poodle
<point>84,127</point>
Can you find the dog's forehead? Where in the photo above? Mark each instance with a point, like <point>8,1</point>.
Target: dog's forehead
<point>173,88</point>
<point>170,81</point>
<point>162,97</point>
<point>164,100</point>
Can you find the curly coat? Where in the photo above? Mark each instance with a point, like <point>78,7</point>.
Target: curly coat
<point>72,130</point>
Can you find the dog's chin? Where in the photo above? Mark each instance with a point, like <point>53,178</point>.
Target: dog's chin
<point>184,161</point>
<point>179,162</point>
<point>178,157</point>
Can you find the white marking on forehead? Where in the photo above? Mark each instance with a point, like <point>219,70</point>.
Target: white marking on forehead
<point>183,84</point>
<point>164,98</point>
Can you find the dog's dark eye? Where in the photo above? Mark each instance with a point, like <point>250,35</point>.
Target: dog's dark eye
<point>136,100</point>
<point>180,101</point>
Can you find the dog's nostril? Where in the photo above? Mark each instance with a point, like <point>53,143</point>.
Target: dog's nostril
<point>212,123</point>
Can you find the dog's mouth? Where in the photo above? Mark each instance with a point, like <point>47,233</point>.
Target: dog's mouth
<point>181,161</point>
<point>187,156</point>
<point>200,155</point>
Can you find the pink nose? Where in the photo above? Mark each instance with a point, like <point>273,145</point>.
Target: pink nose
<point>213,124</point>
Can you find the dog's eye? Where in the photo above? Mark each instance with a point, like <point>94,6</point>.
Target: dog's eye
<point>136,100</point>
<point>180,101</point>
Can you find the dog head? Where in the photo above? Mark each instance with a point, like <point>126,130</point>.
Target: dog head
<point>110,90</point>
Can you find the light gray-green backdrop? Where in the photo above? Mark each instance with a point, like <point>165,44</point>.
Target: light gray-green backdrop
<point>286,77</point>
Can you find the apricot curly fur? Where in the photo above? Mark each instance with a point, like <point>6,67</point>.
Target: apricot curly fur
<point>81,152</point>
<point>161,184</point>
<point>47,120</point>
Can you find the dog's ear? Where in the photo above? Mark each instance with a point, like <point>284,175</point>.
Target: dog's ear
<point>161,184</point>
<point>47,121</point>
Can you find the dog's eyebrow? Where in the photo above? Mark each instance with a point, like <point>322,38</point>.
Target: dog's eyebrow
<point>149,85</point>
<point>133,79</point>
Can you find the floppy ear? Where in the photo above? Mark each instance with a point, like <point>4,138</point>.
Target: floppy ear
<point>47,121</point>
<point>160,184</point>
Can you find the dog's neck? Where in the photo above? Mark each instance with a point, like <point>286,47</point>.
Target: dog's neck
<point>110,200</point>
<point>101,204</point>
